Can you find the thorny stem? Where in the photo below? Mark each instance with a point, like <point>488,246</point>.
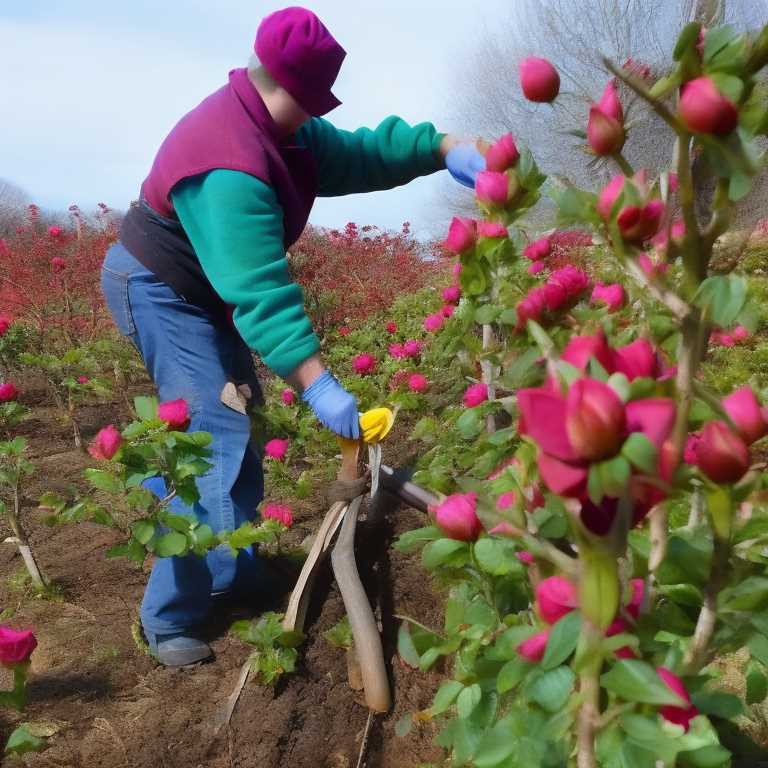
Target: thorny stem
<point>679,308</point>
<point>589,691</point>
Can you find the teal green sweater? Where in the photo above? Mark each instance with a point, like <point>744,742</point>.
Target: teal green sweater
<point>235,224</point>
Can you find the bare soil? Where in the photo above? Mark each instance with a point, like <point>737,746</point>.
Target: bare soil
<point>107,703</point>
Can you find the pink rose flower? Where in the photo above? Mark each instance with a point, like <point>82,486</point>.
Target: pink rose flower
<point>555,597</point>
<point>612,296</point>
<point>525,557</point>
<point>475,394</point>
<point>8,392</point>
<point>492,188</point>
<point>721,455</point>
<point>491,229</point>
<point>288,396</point>
<point>451,294</point>
<point>678,715</point>
<point>54,231</point>
<point>605,135</point>
<point>364,364</point>
<point>16,646</point>
<point>434,323</point>
<point>639,223</point>
<point>457,517</point>
<point>594,420</point>
<point>106,443</point>
<point>536,267</point>
<point>636,360</point>
<point>502,154</point>
<point>412,348</point>
<point>417,382</point>
<point>746,413</point>
<point>391,327</point>
<point>456,269</point>
<point>704,109</point>
<point>462,234</point>
<point>276,449</point>
<point>539,79</point>
<point>279,512</point>
<point>447,310</point>
<point>538,249</point>
<point>610,195</point>
<point>396,351</point>
<point>82,379</point>
<point>534,647</point>
<point>175,413</point>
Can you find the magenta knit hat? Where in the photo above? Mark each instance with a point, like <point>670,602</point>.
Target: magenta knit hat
<point>302,56</point>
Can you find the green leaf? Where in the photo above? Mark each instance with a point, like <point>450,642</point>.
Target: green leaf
<point>562,640</point>
<point>104,480</point>
<point>22,741</point>
<point>178,523</point>
<point>634,680</point>
<point>757,684</point>
<point>718,703</point>
<point>595,484</point>
<point>541,337</point>
<point>470,423</point>
<point>722,298</point>
<point>688,38</point>
<point>468,699</point>
<point>497,745</point>
<point>508,317</point>
<point>751,594</point>
<point>444,552</point>
<point>614,476</point>
<point>406,648</point>
<point>640,452</point>
<point>486,314</point>
<point>754,528</point>
<point>711,756</point>
<point>511,674</point>
<point>410,541</point>
<point>551,689</point>
<point>758,647</point>
<point>171,544</point>
<point>445,696</point>
<point>497,556</point>
<point>146,407</point>
<point>143,530</point>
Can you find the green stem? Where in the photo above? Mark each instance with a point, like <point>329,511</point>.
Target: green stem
<point>589,690</point>
<point>695,261</point>
<point>623,164</point>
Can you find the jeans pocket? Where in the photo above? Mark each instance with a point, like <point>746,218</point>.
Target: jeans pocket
<point>115,289</point>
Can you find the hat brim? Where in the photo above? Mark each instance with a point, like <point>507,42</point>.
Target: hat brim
<point>319,104</point>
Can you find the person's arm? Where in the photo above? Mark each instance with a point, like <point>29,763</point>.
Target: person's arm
<point>367,160</point>
<point>235,224</point>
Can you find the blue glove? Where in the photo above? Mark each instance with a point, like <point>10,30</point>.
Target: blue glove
<point>333,405</point>
<point>463,163</point>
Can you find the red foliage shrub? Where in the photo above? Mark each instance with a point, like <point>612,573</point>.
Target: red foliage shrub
<point>351,274</point>
<point>568,247</point>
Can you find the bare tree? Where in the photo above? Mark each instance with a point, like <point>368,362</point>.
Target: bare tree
<point>13,203</point>
<point>575,35</point>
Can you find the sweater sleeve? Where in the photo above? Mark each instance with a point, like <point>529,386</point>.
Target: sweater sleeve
<point>367,159</point>
<point>235,224</point>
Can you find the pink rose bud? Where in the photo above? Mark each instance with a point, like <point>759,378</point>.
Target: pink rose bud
<point>288,396</point>
<point>106,443</point>
<point>175,413</point>
<point>451,294</point>
<point>539,79</point>
<point>610,195</point>
<point>396,351</point>
<point>502,154</point>
<point>619,627</point>
<point>345,330</point>
<point>391,327</point>
<point>412,348</point>
<point>364,364</point>
<point>475,394</point>
<point>610,103</point>
<point>605,135</point>
<point>54,231</point>
<point>581,349</point>
<point>8,392</point>
<point>276,449</point>
<point>595,420</point>
<point>417,382</point>
<point>676,232</point>
<point>636,360</point>
<point>16,646</point>
<point>58,264</point>
<point>704,109</point>
<point>637,593</point>
<point>745,412</point>
<point>691,446</point>
<point>433,323</point>
<point>651,267</point>
<point>678,715</point>
<point>492,188</point>
<point>457,516</point>
<point>462,234</point>
<point>722,339</point>
<point>740,333</point>
<point>506,501</point>
<point>5,324</point>
<point>612,296</point>
<point>456,269</point>
<point>534,647</point>
<point>572,279</point>
<point>447,310</point>
<point>721,455</point>
<point>536,267</point>
<point>279,512</point>
<point>525,557</point>
<point>637,224</point>
<point>555,597</point>
<point>491,229</point>
<point>538,249</point>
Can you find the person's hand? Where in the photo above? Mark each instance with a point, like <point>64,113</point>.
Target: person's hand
<point>333,405</point>
<point>463,160</point>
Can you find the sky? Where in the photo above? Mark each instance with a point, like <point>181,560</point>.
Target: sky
<point>89,89</point>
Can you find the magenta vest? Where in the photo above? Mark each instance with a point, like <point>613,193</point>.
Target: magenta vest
<point>233,129</point>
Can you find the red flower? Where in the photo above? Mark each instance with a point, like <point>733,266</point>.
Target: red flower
<point>555,597</point>
<point>705,110</point>
<point>288,396</point>
<point>175,413</point>
<point>391,327</point>
<point>678,715</point>
<point>364,364</point>
<point>475,394</point>
<point>417,382</point>
<point>8,392</point>
<point>720,454</point>
<point>502,154</point>
<point>457,516</point>
<point>279,512</point>
<point>16,646</point>
<point>534,647</point>
<point>276,449</point>
<point>106,443</point>
<point>539,79</point>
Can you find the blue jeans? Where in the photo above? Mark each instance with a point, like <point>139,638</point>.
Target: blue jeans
<point>189,354</point>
